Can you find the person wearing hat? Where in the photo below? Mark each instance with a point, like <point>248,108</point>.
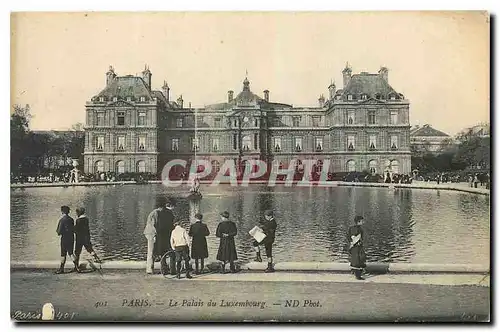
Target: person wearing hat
<point>82,232</point>
<point>65,229</point>
<point>355,237</point>
<point>179,240</point>
<point>159,226</point>
<point>226,231</point>
<point>269,226</point>
<point>199,251</point>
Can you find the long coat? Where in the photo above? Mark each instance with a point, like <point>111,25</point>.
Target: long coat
<point>227,248</point>
<point>199,231</point>
<point>164,227</point>
<point>357,252</point>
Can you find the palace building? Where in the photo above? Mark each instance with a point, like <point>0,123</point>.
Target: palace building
<point>132,128</point>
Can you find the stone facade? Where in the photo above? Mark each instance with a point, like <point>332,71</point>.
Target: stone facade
<point>364,126</point>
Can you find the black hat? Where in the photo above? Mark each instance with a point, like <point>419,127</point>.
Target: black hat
<point>225,214</point>
<point>65,209</point>
<point>358,218</point>
<point>198,216</point>
<point>269,213</point>
<point>161,201</point>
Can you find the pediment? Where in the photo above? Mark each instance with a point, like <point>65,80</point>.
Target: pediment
<point>121,103</point>
<point>372,101</point>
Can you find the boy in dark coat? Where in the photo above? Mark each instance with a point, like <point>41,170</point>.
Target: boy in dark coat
<point>226,231</point>
<point>269,226</point>
<point>65,229</point>
<point>82,232</point>
<point>199,251</point>
<point>355,238</point>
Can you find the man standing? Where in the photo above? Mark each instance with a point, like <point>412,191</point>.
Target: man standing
<point>179,241</point>
<point>82,232</point>
<point>65,229</point>
<point>269,226</point>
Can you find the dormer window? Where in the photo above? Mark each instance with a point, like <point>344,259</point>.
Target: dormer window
<point>349,97</point>
<point>338,97</point>
<point>101,99</point>
<point>129,98</point>
<point>392,97</point>
<point>115,98</point>
<point>364,97</point>
<point>143,98</point>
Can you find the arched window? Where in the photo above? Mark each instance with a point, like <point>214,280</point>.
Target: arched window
<point>215,166</point>
<point>351,166</point>
<point>246,142</point>
<point>395,166</point>
<point>99,166</point>
<point>372,165</point>
<point>141,166</point>
<point>120,167</point>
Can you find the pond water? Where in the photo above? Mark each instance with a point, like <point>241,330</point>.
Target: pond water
<point>402,225</point>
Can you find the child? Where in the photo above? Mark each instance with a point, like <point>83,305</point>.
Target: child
<point>82,232</point>
<point>199,251</point>
<point>269,226</point>
<point>65,229</point>
<point>179,241</point>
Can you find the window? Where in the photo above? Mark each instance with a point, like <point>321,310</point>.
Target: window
<point>394,117</point>
<point>100,118</point>
<point>200,119</point>
<point>350,117</point>
<point>371,117</point>
<point>142,119</point>
<point>349,97</point>
<point>246,142</point>
<point>394,142</point>
<point>141,166</point>
<point>277,144</point>
<point>115,98</point>
<point>129,98</point>
<point>351,166</point>
<point>372,166</point>
<point>372,145</point>
<point>99,166</point>
<point>351,143</point>
<point>235,123</point>
<point>121,143</point>
<point>217,122</point>
<point>100,143</point>
<point>319,166</point>
<point>256,122</point>
<point>296,121</point>
<point>298,144</point>
<point>215,166</point>
<point>235,141</point>
<point>394,166</point>
<point>215,144</point>
<point>316,120</point>
<point>178,123</point>
<point>255,141</point>
<point>120,167</point>
<point>143,99</point>
<point>175,144</point>
<point>319,144</point>
<point>142,142</point>
<point>393,97</point>
<point>195,144</point>
<point>364,97</point>
<point>120,120</point>
<point>277,121</point>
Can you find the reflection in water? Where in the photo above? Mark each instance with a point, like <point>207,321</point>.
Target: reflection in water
<point>402,225</point>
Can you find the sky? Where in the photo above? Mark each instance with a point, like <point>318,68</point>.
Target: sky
<point>439,60</point>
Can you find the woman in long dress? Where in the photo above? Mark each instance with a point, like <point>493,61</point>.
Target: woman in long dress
<point>356,249</point>
<point>199,251</point>
<point>226,231</point>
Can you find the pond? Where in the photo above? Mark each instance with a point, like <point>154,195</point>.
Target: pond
<point>402,225</point>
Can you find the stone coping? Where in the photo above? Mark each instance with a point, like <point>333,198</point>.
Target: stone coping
<point>463,187</point>
<point>283,266</point>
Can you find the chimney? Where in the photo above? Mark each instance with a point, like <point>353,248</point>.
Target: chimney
<point>166,90</point>
<point>321,101</point>
<point>347,74</point>
<point>230,94</point>
<point>331,90</point>
<point>146,76</point>
<point>266,95</point>
<point>180,102</point>
<point>110,75</point>
<point>384,72</point>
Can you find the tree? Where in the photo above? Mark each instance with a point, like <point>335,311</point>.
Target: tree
<point>19,130</point>
<point>474,151</point>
